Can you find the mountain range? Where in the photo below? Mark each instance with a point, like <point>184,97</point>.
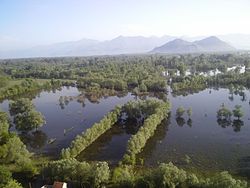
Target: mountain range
<point>134,45</point>
<point>209,44</point>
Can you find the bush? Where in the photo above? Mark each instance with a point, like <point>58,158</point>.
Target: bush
<point>5,176</point>
<point>13,184</point>
<point>123,176</point>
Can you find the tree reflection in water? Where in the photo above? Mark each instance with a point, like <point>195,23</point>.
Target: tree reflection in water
<point>180,121</point>
<point>34,140</point>
<point>190,122</point>
<point>236,124</point>
<point>243,167</point>
<point>224,122</point>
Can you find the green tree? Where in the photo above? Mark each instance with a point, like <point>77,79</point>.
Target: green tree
<point>224,179</point>
<point>123,176</point>
<point>238,112</point>
<point>4,123</point>
<point>20,106</point>
<point>29,120</point>
<point>5,176</point>
<point>182,68</point>
<point>14,151</point>
<point>3,81</point>
<point>143,87</point>
<point>224,113</point>
<point>102,174</point>
<point>180,111</point>
<point>13,184</point>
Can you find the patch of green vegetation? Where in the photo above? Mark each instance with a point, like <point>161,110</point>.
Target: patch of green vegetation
<point>156,112</point>
<point>105,75</point>
<point>14,156</point>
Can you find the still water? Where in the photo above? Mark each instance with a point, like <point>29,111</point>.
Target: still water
<point>65,121</point>
<point>204,143</point>
<point>200,142</point>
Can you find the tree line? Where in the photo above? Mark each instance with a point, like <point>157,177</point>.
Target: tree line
<point>79,174</point>
<point>137,142</point>
<point>165,175</point>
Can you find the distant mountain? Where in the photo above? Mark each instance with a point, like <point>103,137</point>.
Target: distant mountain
<point>210,44</point>
<point>239,41</point>
<point>133,44</point>
<point>177,46</point>
<point>214,44</point>
<point>87,47</point>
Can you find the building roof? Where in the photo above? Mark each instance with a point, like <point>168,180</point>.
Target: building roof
<point>57,184</point>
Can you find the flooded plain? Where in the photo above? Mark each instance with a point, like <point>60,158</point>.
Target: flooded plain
<point>199,142</point>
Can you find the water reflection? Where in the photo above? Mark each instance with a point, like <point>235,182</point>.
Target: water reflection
<point>105,94</point>
<point>224,122</point>
<point>159,135</point>
<point>35,140</point>
<point>190,122</point>
<point>208,145</point>
<point>235,90</point>
<point>180,121</point>
<point>237,124</point>
<point>187,92</point>
<point>243,167</point>
<point>91,96</point>
<point>110,146</point>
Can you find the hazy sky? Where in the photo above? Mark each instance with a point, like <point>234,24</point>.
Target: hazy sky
<point>32,22</point>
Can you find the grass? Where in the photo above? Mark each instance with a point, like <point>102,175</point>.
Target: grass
<point>11,83</point>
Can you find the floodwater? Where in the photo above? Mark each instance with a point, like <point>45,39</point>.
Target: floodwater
<point>66,119</point>
<point>201,142</point>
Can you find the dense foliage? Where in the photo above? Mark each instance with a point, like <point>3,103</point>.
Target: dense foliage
<point>137,142</point>
<point>13,152</point>
<point>80,173</point>
<point>74,67</point>
<point>189,84</point>
<point>83,174</point>
<point>25,115</point>
<point>230,78</point>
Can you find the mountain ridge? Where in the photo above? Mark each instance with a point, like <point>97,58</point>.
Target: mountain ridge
<point>115,46</point>
<point>208,44</point>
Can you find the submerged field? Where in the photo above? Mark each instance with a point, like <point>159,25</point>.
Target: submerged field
<point>201,143</point>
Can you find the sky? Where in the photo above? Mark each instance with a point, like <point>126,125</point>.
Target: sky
<point>37,22</point>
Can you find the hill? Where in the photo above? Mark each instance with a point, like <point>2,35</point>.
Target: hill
<point>209,44</point>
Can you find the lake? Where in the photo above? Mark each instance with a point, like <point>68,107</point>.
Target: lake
<point>199,143</point>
